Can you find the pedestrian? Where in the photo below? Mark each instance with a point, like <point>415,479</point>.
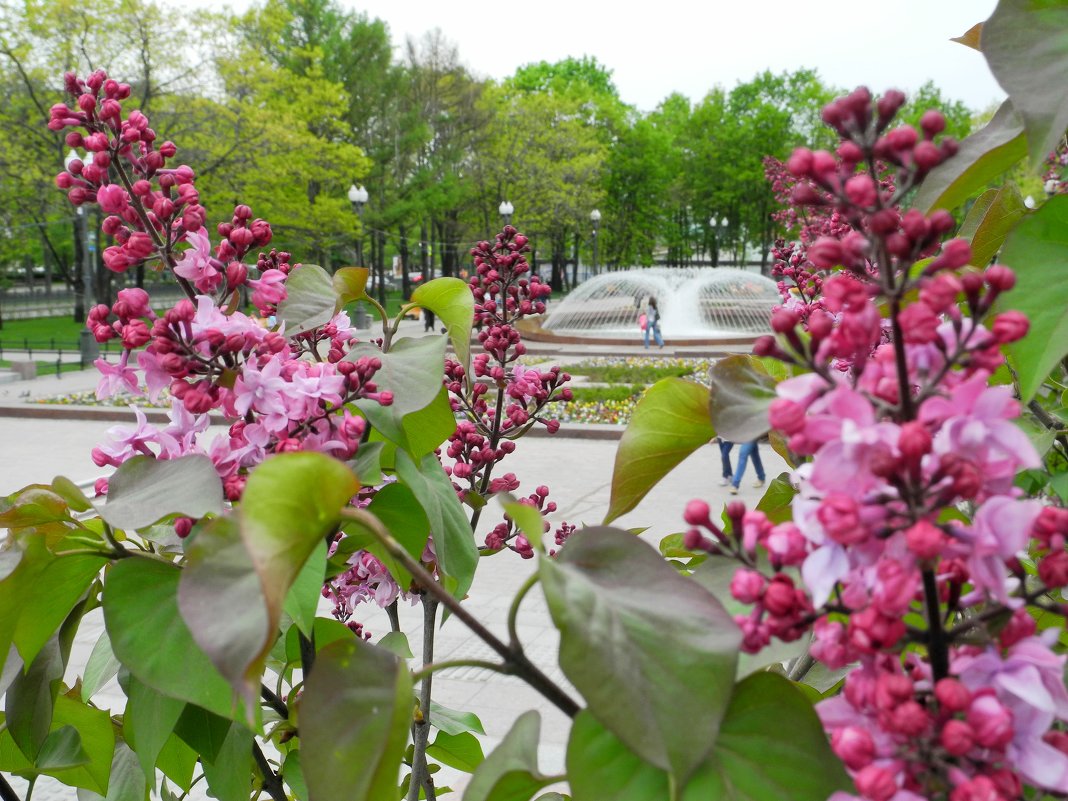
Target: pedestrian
<point>428,320</point>
<point>725,457</point>
<point>652,323</point>
<point>744,452</point>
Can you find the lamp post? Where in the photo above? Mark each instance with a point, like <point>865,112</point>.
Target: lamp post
<point>720,227</point>
<point>358,197</point>
<point>506,210</point>
<point>87,345</point>
<point>595,218</point>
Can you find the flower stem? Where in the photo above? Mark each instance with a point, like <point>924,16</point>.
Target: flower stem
<point>7,792</point>
<point>513,612</point>
<point>449,664</point>
<point>421,727</point>
<point>272,783</point>
<point>522,666</point>
<point>937,648</point>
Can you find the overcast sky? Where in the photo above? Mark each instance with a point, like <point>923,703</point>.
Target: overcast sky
<point>655,48</point>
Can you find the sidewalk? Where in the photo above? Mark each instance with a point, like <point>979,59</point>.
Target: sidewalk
<point>576,464</point>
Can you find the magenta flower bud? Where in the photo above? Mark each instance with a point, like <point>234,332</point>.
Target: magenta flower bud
<point>957,737</point>
<point>914,441</point>
<point>112,199</point>
<point>261,232</point>
<point>694,540</point>
<point>850,152</point>
<point>800,163</point>
<point>926,156</point>
<point>168,149</point>
<point>786,415</point>
<point>110,110</point>
<point>111,225</point>
<point>925,540</point>
<point>861,191</point>
<point>77,195</point>
<point>824,165</point>
<point>697,514</point>
<point>236,274</point>
<point>1000,278</point>
<point>991,722</point>
<point>184,175</point>
<point>919,324</point>
<point>87,103</point>
<point>140,245</point>
<point>820,324</point>
<point>163,208</point>
<point>952,695</point>
<point>96,80</point>
<point>1053,569</point>
<point>64,180</point>
<point>765,346</point>
<point>804,195</point>
<point>240,237</point>
<point>124,91</point>
<point>182,526</point>
<point>888,106</point>
<point>876,783</point>
<point>933,123</point>
<point>903,138</point>
<point>116,260</point>
<point>1010,326</point>
<point>854,746</point>
<point>242,212</point>
<point>71,84</point>
<point>153,160</point>
<point>941,221</point>
<point>784,320</point>
<point>142,188</point>
<point>73,139</point>
<point>825,253</point>
<point>747,586</point>
<point>780,597</point>
<point>956,253</point>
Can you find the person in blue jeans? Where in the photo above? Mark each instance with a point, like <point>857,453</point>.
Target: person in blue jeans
<point>725,457</point>
<point>744,452</point>
<point>652,324</point>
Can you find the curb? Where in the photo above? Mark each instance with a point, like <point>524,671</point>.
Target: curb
<point>117,414</point>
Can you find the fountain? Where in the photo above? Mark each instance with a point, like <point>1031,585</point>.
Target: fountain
<point>696,305</point>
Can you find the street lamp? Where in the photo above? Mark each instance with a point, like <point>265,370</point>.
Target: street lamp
<point>719,227</point>
<point>595,218</point>
<point>87,344</point>
<point>506,210</point>
<point>358,197</point>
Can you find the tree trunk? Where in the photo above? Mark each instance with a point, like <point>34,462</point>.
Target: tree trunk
<point>406,281</point>
<point>424,254</point>
<point>77,271</point>
<point>575,261</point>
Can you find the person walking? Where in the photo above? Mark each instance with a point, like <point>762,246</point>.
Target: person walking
<point>428,320</point>
<point>652,323</point>
<point>747,450</point>
<point>725,457</point>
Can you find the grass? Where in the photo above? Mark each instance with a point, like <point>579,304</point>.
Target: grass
<point>607,394</point>
<point>42,330</point>
<point>632,372</point>
<point>46,368</point>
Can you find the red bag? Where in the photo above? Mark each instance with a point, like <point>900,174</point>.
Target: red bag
<point>643,322</point>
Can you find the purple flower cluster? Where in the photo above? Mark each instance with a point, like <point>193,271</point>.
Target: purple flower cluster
<point>897,430</point>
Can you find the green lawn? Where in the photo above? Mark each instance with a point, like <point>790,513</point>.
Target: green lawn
<point>42,329</point>
<point>47,368</point>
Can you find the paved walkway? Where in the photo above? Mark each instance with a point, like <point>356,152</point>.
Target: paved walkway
<point>578,472</point>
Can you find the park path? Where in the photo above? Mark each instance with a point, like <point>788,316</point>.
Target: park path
<point>578,472</point>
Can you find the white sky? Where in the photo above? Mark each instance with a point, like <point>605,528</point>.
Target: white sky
<point>657,47</point>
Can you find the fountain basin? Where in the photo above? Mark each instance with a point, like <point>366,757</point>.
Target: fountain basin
<point>707,305</point>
